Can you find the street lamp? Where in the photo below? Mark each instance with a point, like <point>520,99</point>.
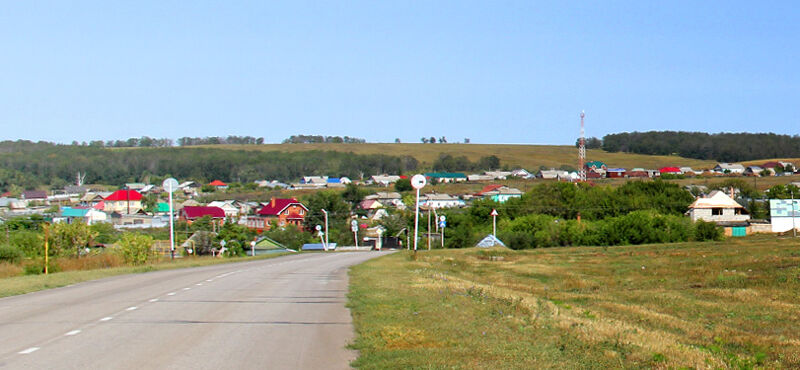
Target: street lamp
<point>326,227</point>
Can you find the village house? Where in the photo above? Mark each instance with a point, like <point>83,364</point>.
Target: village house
<point>638,172</point>
<point>218,184</point>
<point>479,177</point>
<point>612,173</point>
<point>757,171</point>
<point>190,214</point>
<point>552,174</point>
<point>437,200</point>
<point>522,174</point>
<point>784,214</point>
<point>34,196</point>
<point>670,171</point>
<point>499,193</point>
<point>721,209</point>
<point>732,168</point>
<point>688,171</point>
<point>228,206</point>
<point>281,211</point>
<point>446,177</point>
<point>123,201</point>
<point>498,175</point>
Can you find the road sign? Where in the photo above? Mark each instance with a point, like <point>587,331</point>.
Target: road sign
<point>494,213</point>
<point>418,181</point>
<point>442,218</point>
<point>318,227</point>
<point>442,224</point>
<point>170,185</point>
<point>354,226</point>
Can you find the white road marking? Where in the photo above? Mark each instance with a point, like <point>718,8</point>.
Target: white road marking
<point>186,288</point>
<point>199,284</point>
<point>153,300</point>
<point>131,308</point>
<point>106,318</point>
<point>210,280</point>
<point>29,350</point>
<point>173,293</point>
<point>72,333</point>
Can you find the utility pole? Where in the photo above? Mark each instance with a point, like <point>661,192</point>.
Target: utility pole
<point>794,229</point>
<point>582,151</point>
<point>429,229</point>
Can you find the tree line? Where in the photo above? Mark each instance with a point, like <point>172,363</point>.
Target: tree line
<point>725,147</point>
<point>30,165</point>
<point>312,139</point>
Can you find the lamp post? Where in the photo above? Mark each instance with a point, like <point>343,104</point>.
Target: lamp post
<point>326,228</point>
<point>170,185</point>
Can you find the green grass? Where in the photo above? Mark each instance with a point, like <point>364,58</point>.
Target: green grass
<point>30,283</point>
<point>730,304</point>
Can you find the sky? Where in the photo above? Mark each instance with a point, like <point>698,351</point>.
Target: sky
<point>491,71</point>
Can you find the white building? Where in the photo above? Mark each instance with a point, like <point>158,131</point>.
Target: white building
<point>717,207</point>
<point>436,200</point>
<point>785,214</point>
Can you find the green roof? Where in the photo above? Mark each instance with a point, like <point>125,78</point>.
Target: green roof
<point>446,175</point>
<point>162,207</point>
<point>73,212</point>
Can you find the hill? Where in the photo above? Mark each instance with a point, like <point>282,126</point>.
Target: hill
<point>530,157</point>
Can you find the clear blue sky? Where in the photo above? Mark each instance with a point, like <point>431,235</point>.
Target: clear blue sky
<point>492,71</point>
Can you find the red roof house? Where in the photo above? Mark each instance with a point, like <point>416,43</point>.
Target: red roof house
<point>671,170</point>
<point>218,184</point>
<point>192,213</point>
<point>281,210</point>
<point>123,201</point>
<point>488,188</point>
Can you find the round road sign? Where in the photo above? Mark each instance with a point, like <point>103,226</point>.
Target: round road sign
<point>418,181</point>
<point>442,218</point>
<point>170,185</point>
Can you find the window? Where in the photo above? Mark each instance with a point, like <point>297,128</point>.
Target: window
<point>300,212</point>
<point>716,211</point>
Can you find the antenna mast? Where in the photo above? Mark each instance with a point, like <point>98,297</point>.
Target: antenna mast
<point>582,151</point>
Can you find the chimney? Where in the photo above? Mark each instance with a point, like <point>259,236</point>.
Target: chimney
<point>272,202</point>
<point>732,195</point>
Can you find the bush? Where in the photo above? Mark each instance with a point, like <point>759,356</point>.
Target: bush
<point>29,242</point>
<point>136,249</point>
<point>704,230</point>
<point>10,254</point>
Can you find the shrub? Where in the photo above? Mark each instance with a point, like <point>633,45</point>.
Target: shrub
<point>10,254</point>
<point>704,230</point>
<point>136,249</point>
<point>29,242</point>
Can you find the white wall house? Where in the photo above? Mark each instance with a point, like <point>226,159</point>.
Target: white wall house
<point>717,207</point>
<point>785,214</point>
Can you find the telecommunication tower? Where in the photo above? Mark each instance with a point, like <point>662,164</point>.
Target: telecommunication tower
<point>582,151</point>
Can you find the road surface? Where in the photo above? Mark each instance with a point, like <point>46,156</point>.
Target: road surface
<point>281,313</point>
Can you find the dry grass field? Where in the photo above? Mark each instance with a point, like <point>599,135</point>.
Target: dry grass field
<point>730,304</point>
<point>525,156</point>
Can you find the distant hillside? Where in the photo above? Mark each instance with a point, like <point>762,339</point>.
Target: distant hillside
<point>530,157</point>
<point>724,147</point>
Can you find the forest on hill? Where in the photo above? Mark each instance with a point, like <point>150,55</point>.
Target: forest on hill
<point>30,165</point>
<point>724,147</point>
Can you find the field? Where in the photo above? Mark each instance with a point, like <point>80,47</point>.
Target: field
<point>526,156</point>
<point>730,304</point>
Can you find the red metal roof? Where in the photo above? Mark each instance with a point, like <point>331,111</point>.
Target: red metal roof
<point>277,205</point>
<point>489,188</point>
<point>124,195</point>
<point>670,170</point>
<point>217,183</point>
<point>193,212</point>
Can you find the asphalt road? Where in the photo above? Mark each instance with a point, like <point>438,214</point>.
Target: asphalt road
<point>282,313</point>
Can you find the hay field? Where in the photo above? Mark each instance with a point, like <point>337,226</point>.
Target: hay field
<point>526,156</point>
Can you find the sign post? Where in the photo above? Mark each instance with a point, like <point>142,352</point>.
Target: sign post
<point>494,222</point>
<point>354,229</point>
<point>253,248</point>
<point>326,229</point>
<point>321,237</point>
<point>170,185</point>
<point>417,182</point>
<point>442,224</point>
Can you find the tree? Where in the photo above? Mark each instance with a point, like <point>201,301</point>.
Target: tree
<point>432,140</point>
<point>71,237</point>
<point>331,201</point>
<point>136,249</point>
<point>397,140</point>
<point>403,185</point>
<point>353,194</point>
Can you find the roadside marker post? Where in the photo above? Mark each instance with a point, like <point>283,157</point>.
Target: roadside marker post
<point>417,182</point>
<point>354,229</point>
<point>494,222</point>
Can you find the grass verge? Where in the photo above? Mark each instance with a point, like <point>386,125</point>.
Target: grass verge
<point>730,304</point>
<point>30,283</point>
